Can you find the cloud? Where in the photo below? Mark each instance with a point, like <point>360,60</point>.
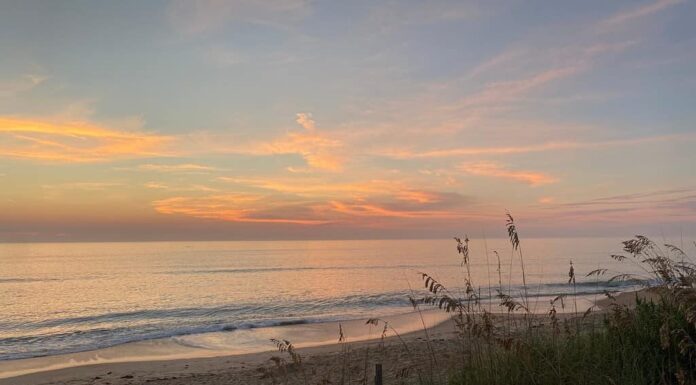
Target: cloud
<point>543,147</point>
<point>496,61</point>
<point>74,141</point>
<point>365,209</point>
<point>319,150</point>
<point>419,196</point>
<point>86,186</point>
<point>395,16</point>
<point>190,188</point>
<point>235,207</point>
<point>175,168</point>
<point>673,205</point>
<point>656,197</point>
<point>315,200</point>
<point>495,170</point>
<point>574,59</point>
<point>497,92</point>
<point>295,209</point>
<point>156,185</point>
<point>296,170</point>
<point>546,200</point>
<point>305,120</point>
<point>637,13</point>
<point>200,16</point>
<point>25,83</point>
<point>315,187</point>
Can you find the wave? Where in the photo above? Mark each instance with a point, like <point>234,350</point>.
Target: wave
<point>83,333</point>
<point>298,268</point>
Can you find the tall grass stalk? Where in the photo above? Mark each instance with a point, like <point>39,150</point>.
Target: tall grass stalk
<point>488,272</point>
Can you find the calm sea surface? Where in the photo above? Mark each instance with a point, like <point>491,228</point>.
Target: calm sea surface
<point>68,297</point>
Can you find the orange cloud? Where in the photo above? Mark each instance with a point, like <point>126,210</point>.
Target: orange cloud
<point>186,167</point>
<point>418,196</point>
<point>44,140</point>
<point>546,200</point>
<point>548,146</point>
<point>316,202</point>
<point>235,207</point>
<point>305,120</point>
<point>363,209</point>
<point>321,188</point>
<point>319,150</point>
<point>497,171</point>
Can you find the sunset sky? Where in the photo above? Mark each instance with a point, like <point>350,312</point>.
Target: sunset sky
<point>292,119</point>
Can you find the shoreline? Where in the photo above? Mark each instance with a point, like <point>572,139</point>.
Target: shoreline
<point>242,368</point>
<point>213,347</point>
<point>181,365</point>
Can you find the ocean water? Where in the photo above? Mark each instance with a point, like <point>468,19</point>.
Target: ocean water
<point>58,298</point>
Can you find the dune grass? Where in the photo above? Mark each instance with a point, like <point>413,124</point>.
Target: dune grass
<point>627,348</point>
<point>653,342</point>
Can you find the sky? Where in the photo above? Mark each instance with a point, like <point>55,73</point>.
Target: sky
<point>318,119</point>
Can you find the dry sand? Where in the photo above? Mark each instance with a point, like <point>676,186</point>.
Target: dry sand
<point>629,298</point>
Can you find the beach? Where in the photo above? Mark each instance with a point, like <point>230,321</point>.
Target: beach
<point>326,362</point>
<point>403,357</point>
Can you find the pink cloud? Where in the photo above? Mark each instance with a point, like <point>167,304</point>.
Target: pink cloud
<point>495,170</point>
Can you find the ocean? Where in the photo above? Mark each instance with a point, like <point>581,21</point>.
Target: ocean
<point>58,298</point>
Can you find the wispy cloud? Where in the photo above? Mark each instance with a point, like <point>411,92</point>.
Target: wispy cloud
<point>495,62</point>
<point>74,141</point>
<point>543,147</point>
<point>238,207</point>
<point>199,16</point>
<point>156,185</point>
<point>188,188</point>
<point>320,151</point>
<point>305,120</point>
<point>86,186</point>
<point>637,13</point>
<point>394,16</point>
<point>498,92</point>
<point>365,209</point>
<point>673,205</point>
<point>495,170</point>
<point>314,187</point>
<point>575,59</point>
<point>546,200</point>
<point>175,168</point>
<point>23,84</point>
